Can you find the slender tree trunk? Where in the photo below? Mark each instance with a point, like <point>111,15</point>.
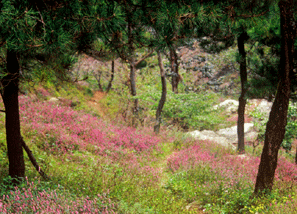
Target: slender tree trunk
<point>132,70</point>
<point>242,100</point>
<point>163,97</point>
<point>99,83</point>
<point>9,94</point>
<point>174,69</point>
<point>111,77</point>
<point>133,86</point>
<point>275,129</point>
<point>296,157</point>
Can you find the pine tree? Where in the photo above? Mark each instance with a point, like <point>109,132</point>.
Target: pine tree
<point>32,30</point>
<point>275,129</point>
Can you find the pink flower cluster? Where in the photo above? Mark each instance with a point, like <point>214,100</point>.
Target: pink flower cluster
<point>64,130</point>
<point>231,168</point>
<point>32,200</point>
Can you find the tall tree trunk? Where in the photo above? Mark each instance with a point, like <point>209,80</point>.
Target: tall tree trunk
<point>111,77</point>
<point>9,94</point>
<point>174,69</point>
<point>163,97</point>
<point>132,70</point>
<point>133,86</point>
<point>242,100</point>
<point>99,82</point>
<point>275,129</point>
<point>296,157</point>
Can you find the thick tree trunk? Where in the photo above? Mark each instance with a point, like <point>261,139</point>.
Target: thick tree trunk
<point>174,69</point>
<point>242,100</point>
<point>10,85</point>
<point>111,77</point>
<point>163,97</point>
<point>275,129</point>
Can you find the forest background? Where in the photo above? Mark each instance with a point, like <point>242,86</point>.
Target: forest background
<point>112,155</point>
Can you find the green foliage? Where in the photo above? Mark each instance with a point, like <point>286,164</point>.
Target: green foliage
<point>8,184</point>
<point>291,128</point>
<point>260,122</point>
<point>263,67</point>
<point>189,111</point>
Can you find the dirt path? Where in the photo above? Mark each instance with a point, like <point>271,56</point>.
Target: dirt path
<point>95,104</point>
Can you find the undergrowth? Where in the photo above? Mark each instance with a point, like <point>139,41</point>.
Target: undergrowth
<point>101,165</point>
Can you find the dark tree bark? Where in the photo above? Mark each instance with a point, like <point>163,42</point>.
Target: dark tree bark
<point>174,69</point>
<point>242,100</point>
<point>133,86</point>
<point>111,77</point>
<point>98,78</point>
<point>275,129</point>
<point>132,69</point>
<point>163,96</point>
<point>10,84</point>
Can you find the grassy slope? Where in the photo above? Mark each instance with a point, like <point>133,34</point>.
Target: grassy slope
<point>98,164</point>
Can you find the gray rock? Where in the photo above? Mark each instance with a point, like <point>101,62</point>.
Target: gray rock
<point>264,107</point>
<point>230,106</point>
<point>212,136</point>
<point>231,133</point>
<point>225,137</point>
<point>53,99</point>
<point>251,136</point>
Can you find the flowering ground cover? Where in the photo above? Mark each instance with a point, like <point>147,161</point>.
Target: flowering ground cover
<point>33,199</point>
<point>103,167</point>
<point>223,182</point>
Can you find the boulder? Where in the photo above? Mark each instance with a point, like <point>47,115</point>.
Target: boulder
<point>226,137</point>
<point>53,99</point>
<point>232,131</point>
<point>264,107</point>
<point>212,136</point>
<point>230,106</point>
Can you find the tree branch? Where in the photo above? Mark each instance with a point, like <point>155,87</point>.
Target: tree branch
<point>33,160</point>
<point>251,16</point>
<point>144,57</point>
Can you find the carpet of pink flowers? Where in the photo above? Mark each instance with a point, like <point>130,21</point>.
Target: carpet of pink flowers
<point>63,130</point>
<point>233,168</point>
<point>32,200</point>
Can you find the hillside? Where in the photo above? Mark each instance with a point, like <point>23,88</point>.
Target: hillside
<point>98,163</point>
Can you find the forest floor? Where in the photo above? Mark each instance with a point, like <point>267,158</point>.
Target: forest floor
<point>98,163</point>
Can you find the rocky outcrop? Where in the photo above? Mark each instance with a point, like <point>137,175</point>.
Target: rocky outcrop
<point>230,106</point>
<point>212,136</point>
<point>226,137</point>
<point>264,107</point>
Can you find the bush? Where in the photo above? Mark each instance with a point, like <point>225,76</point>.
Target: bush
<point>189,111</point>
